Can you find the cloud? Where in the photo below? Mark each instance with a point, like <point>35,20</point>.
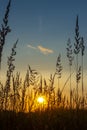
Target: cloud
<point>32,47</point>
<point>44,50</point>
<point>41,49</point>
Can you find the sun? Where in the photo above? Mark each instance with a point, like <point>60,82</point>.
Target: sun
<point>41,100</point>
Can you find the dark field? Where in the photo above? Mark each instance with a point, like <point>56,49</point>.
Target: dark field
<point>48,120</point>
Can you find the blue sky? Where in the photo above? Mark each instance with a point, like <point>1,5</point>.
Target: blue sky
<point>43,28</point>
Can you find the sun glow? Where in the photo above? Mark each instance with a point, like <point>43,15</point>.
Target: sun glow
<point>41,100</point>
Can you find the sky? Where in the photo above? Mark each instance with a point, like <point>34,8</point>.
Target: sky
<point>43,28</point>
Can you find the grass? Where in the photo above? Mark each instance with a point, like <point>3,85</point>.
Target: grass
<point>58,119</point>
<point>17,94</point>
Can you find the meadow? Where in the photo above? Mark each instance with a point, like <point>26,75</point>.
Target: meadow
<point>58,119</point>
<point>33,103</point>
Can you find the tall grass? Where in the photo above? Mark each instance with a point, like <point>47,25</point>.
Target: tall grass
<point>4,30</point>
<point>19,95</point>
<point>19,108</point>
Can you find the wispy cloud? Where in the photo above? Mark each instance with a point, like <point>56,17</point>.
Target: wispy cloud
<point>42,49</point>
<point>32,47</point>
<point>45,50</point>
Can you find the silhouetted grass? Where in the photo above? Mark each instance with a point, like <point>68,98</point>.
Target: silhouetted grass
<point>58,119</point>
<point>18,107</point>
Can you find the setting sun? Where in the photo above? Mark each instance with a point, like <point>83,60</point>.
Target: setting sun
<point>40,99</point>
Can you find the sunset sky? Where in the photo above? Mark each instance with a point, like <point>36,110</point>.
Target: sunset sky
<point>43,28</point>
